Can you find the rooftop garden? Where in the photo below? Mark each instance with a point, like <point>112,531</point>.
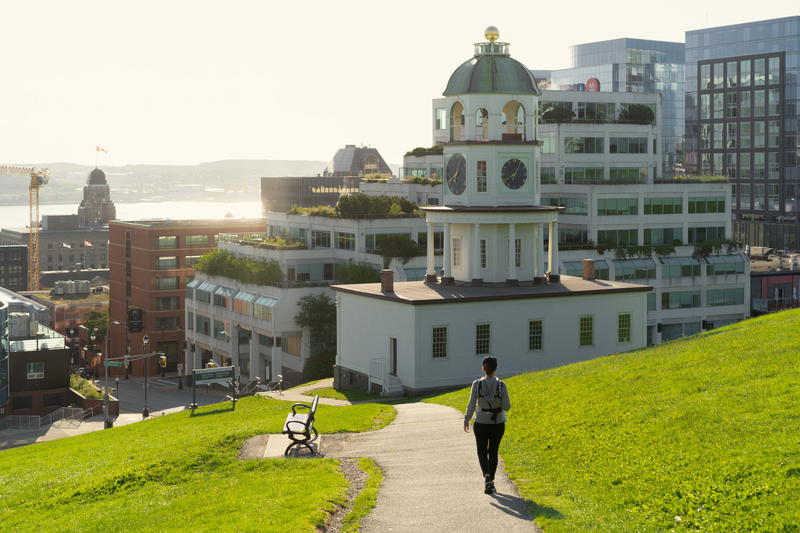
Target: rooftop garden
<point>274,243</point>
<point>421,180</point>
<point>359,205</point>
<point>421,151</point>
<point>246,270</point>
<point>694,179</point>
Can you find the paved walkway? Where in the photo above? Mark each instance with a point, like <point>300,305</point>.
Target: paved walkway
<point>296,395</point>
<point>432,481</point>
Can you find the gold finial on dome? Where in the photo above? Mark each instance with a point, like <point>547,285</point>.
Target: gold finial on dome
<point>492,34</point>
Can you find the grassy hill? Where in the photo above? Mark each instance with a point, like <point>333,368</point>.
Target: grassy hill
<point>177,473</point>
<point>698,434</point>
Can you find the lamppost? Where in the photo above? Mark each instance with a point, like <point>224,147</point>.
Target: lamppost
<point>92,337</point>
<point>145,340</point>
<point>107,422</point>
<point>163,351</point>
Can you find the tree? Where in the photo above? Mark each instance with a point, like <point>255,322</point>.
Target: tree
<point>558,114</point>
<point>637,114</point>
<point>96,321</point>
<point>356,273</point>
<point>396,247</point>
<point>318,314</point>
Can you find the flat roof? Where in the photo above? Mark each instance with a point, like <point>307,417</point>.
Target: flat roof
<point>491,209</point>
<point>421,293</point>
<point>169,223</point>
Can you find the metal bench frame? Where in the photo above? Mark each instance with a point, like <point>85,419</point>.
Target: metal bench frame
<point>300,434</point>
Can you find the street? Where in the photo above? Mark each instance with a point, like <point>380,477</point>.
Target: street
<point>162,394</point>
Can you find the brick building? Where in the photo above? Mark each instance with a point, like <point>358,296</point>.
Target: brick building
<point>14,267</point>
<point>150,264</point>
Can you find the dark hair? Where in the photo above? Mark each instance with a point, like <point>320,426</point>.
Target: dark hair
<point>489,364</point>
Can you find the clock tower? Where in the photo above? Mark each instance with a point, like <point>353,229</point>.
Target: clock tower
<point>493,223</point>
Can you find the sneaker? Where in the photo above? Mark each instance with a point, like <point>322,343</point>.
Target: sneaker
<point>490,488</point>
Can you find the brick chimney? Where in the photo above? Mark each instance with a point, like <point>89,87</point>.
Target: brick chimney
<point>588,269</point>
<point>387,280</point>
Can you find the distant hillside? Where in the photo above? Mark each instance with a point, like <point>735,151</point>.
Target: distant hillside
<point>131,182</point>
<point>701,434</point>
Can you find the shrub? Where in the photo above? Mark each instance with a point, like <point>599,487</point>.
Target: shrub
<point>637,114</point>
<point>356,273</point>
<point>396,246</point>
<point>223,263</point>
<point>319,365</point>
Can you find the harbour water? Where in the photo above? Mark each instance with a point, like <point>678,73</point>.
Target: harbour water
<point>16,216</point>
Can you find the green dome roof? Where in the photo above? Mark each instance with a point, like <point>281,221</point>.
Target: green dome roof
<point>491,73</point>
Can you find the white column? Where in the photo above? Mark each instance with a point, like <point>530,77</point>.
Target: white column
<point>234,349</point>
<point>448,252</point>
<point>535,254</point>
<point>552,249</point>
<point>512,238</point>
<point>431,265</point>
<point>476,251</point>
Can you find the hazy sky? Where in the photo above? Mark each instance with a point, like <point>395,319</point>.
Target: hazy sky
<point>170,81</point>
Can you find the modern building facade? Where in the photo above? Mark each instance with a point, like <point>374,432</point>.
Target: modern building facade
<point>251,326</point>
<point>499,293</point>
<point>14,267</point>
<point>633,66</point>
<point>742,122</point>
<point>279,194</point>
<point>39,367</point>
<point>151,263</point>
<point>4,394</point>
<point>355,160</point>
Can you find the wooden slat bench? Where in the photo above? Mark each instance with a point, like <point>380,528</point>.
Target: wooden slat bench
<point>299,426</point>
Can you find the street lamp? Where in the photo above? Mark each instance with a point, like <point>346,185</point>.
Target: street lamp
<point>92,337</point>
<point>107,422</point>
<point>145,340</point>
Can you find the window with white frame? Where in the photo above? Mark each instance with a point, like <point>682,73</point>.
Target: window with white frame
<point>586,332</point>
<point>624,327</point>
<point>456,251</point>
<point>36,370</point>
<point>481,174</point>
<point>482,339</point>
<point>483,253</point>
<point>535,334</point>
<point>517,253</point>
<point>439,345</point>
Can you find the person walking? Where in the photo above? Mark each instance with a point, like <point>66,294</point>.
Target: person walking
<point>488,401</point>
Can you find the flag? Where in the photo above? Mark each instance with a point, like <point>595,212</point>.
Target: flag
<point>66,245</point>
<point>87,243</point>
<point>100,149</point>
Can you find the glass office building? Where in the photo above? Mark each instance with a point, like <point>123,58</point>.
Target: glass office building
<point>3,357</point>
<point>635,66</point>
<point>742,122</point>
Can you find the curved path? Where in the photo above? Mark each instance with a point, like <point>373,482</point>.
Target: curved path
<point>432,481</point>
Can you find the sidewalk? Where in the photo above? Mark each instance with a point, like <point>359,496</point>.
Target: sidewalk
<point>296,395</point>
<point>12,438</point>
<point>432,481</point>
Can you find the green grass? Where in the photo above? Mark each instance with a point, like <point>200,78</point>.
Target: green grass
<point>178,473</point>
<point>699,434</point>
<point>365,501</point>
<point>349,395</point>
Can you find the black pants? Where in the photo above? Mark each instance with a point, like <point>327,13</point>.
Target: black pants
<point>488,437</point>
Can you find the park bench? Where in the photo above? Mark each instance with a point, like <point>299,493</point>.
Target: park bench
<point>299,426</point>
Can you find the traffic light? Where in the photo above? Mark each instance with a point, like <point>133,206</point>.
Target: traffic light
<point>162,361</point>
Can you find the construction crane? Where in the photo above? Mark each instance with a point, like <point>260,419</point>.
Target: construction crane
<point>38,178</point>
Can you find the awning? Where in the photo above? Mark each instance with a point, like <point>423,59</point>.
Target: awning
<point>246,296</point>
<point>724,259</point>
<point>192,284</point>
<point>679,261</point>
<point>207,286</point>
<point>224,291</point>
<point>266,301</point>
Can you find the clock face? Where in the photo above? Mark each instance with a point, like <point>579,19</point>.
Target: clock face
<point>457,174</point>
<point>514,173</point>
